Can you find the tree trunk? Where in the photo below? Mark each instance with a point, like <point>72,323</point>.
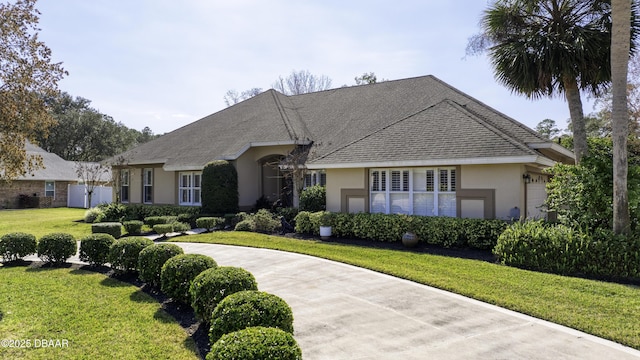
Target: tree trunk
<point>572,94</point>
<point>620,42</point>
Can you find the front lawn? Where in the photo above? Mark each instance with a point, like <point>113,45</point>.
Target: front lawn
<point>83,315</point>
<point>44,221</point>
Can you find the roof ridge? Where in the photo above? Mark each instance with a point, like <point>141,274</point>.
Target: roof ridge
<point>283,114</point>
<point>377,130</point>
<point>487,124</point>
<point>496,130</point>
<point>505,116</point>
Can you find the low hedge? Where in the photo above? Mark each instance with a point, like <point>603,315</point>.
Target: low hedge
<point>179,271</point>
<point>112,228</point>
<point>441,231</point>
<point>247,309</point>
<point>155,220</point>
<point>124,212</point>
<point>94,248</point>
<point>256,343</point>
<point>14,246</point>
<point>123,253</point>
<point>562,250</point>
<point>152,258</point>
<point>133,227</point>
<point>213,285</point>
<point>57,247</point>
<point>210,223</point>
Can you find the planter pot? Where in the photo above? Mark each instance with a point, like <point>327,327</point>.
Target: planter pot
<point>325,232</point>
<point>410,239</point>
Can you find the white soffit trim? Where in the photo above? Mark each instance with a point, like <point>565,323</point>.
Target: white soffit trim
<point>555,147</point>
<point>182,168</point>
<point>439,162</point>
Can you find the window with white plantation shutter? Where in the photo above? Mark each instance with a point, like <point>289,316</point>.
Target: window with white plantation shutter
<point>189,188</point>
<point>419,191</point>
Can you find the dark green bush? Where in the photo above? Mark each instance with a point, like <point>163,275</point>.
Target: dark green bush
<point>210,223</point>
<point>213,285</point>
<point>162,229</point>
<point>112,228</point>
<point>303,223</point>
<point>180,227</point>
<point>164,219</point>
<point>247,309</point>
<point>219,188</point>
<point>245,225</point>
<point>440,231</point>
<point>94,248</point>
<point>93,215</point>
<point>313,198</point>
<point>152,258</point>
<point>289,214</point>
<point>559,249</point>
<point>57,247</point>
<point>142,211</point>
<point>256,343</point>
<point>133,227</point>
<point>123,253</point>
<point>14,246</point>
<point>179,271</point>
<point>113,212</point>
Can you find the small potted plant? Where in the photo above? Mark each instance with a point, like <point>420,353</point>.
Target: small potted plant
<point>326,221</point>
<point>409,238</point>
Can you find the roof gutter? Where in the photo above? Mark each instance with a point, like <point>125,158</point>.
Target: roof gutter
<point>536,159</point>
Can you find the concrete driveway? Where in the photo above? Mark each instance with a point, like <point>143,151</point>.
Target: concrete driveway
<point>345,312</point>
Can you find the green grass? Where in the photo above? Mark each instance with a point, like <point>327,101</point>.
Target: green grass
<point>44,221</point>
<point>98,317</point>
<point>608,310</point>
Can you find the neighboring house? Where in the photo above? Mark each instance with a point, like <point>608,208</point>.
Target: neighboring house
<point>49,183</point>
<point>415,146</point>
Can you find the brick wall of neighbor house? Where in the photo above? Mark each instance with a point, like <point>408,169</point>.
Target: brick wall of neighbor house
<point>9,193</point>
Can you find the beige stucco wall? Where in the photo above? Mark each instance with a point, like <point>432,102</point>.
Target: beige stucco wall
<point>250,173</point>
<point>164,186</point>
<point>338,179</point>
<point>135,185</point>
<point>506,179</point>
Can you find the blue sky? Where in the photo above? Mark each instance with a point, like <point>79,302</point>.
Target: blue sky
<point>166,63</point>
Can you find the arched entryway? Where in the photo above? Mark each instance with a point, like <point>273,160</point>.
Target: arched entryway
<point>275,185</point>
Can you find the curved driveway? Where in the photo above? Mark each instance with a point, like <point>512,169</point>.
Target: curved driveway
<point>345,312</point>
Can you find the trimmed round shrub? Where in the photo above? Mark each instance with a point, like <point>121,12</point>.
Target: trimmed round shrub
<point>179,271</point>
<point>94,248</point>
<point>213,285</point>
<point>245,225</point>
<point>57,247</point>
<point>151,259</point>
<point>219,188</point>
<point>313,198</point>
<point>265,221</point>
<point>112,228</point>
<point>123,253</point>
<point>247,309</point>
<point>181,227</point>
<point>256,343</point>
<point>93,215</point>
<point>133,227</point>
<point>162,229</point>
<point>14,246</point>
<point>155,220</point>
<point>210,223</point>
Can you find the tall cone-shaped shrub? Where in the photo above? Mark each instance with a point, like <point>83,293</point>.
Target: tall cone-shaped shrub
<point>219,188</point>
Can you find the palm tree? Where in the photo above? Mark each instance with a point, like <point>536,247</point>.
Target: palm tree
<point>620,44</point>
<point>545,48</point>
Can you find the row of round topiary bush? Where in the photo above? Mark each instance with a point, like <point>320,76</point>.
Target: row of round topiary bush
<point>226,297</point>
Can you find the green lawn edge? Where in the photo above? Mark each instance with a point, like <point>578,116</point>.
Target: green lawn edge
<point>607,310</point>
